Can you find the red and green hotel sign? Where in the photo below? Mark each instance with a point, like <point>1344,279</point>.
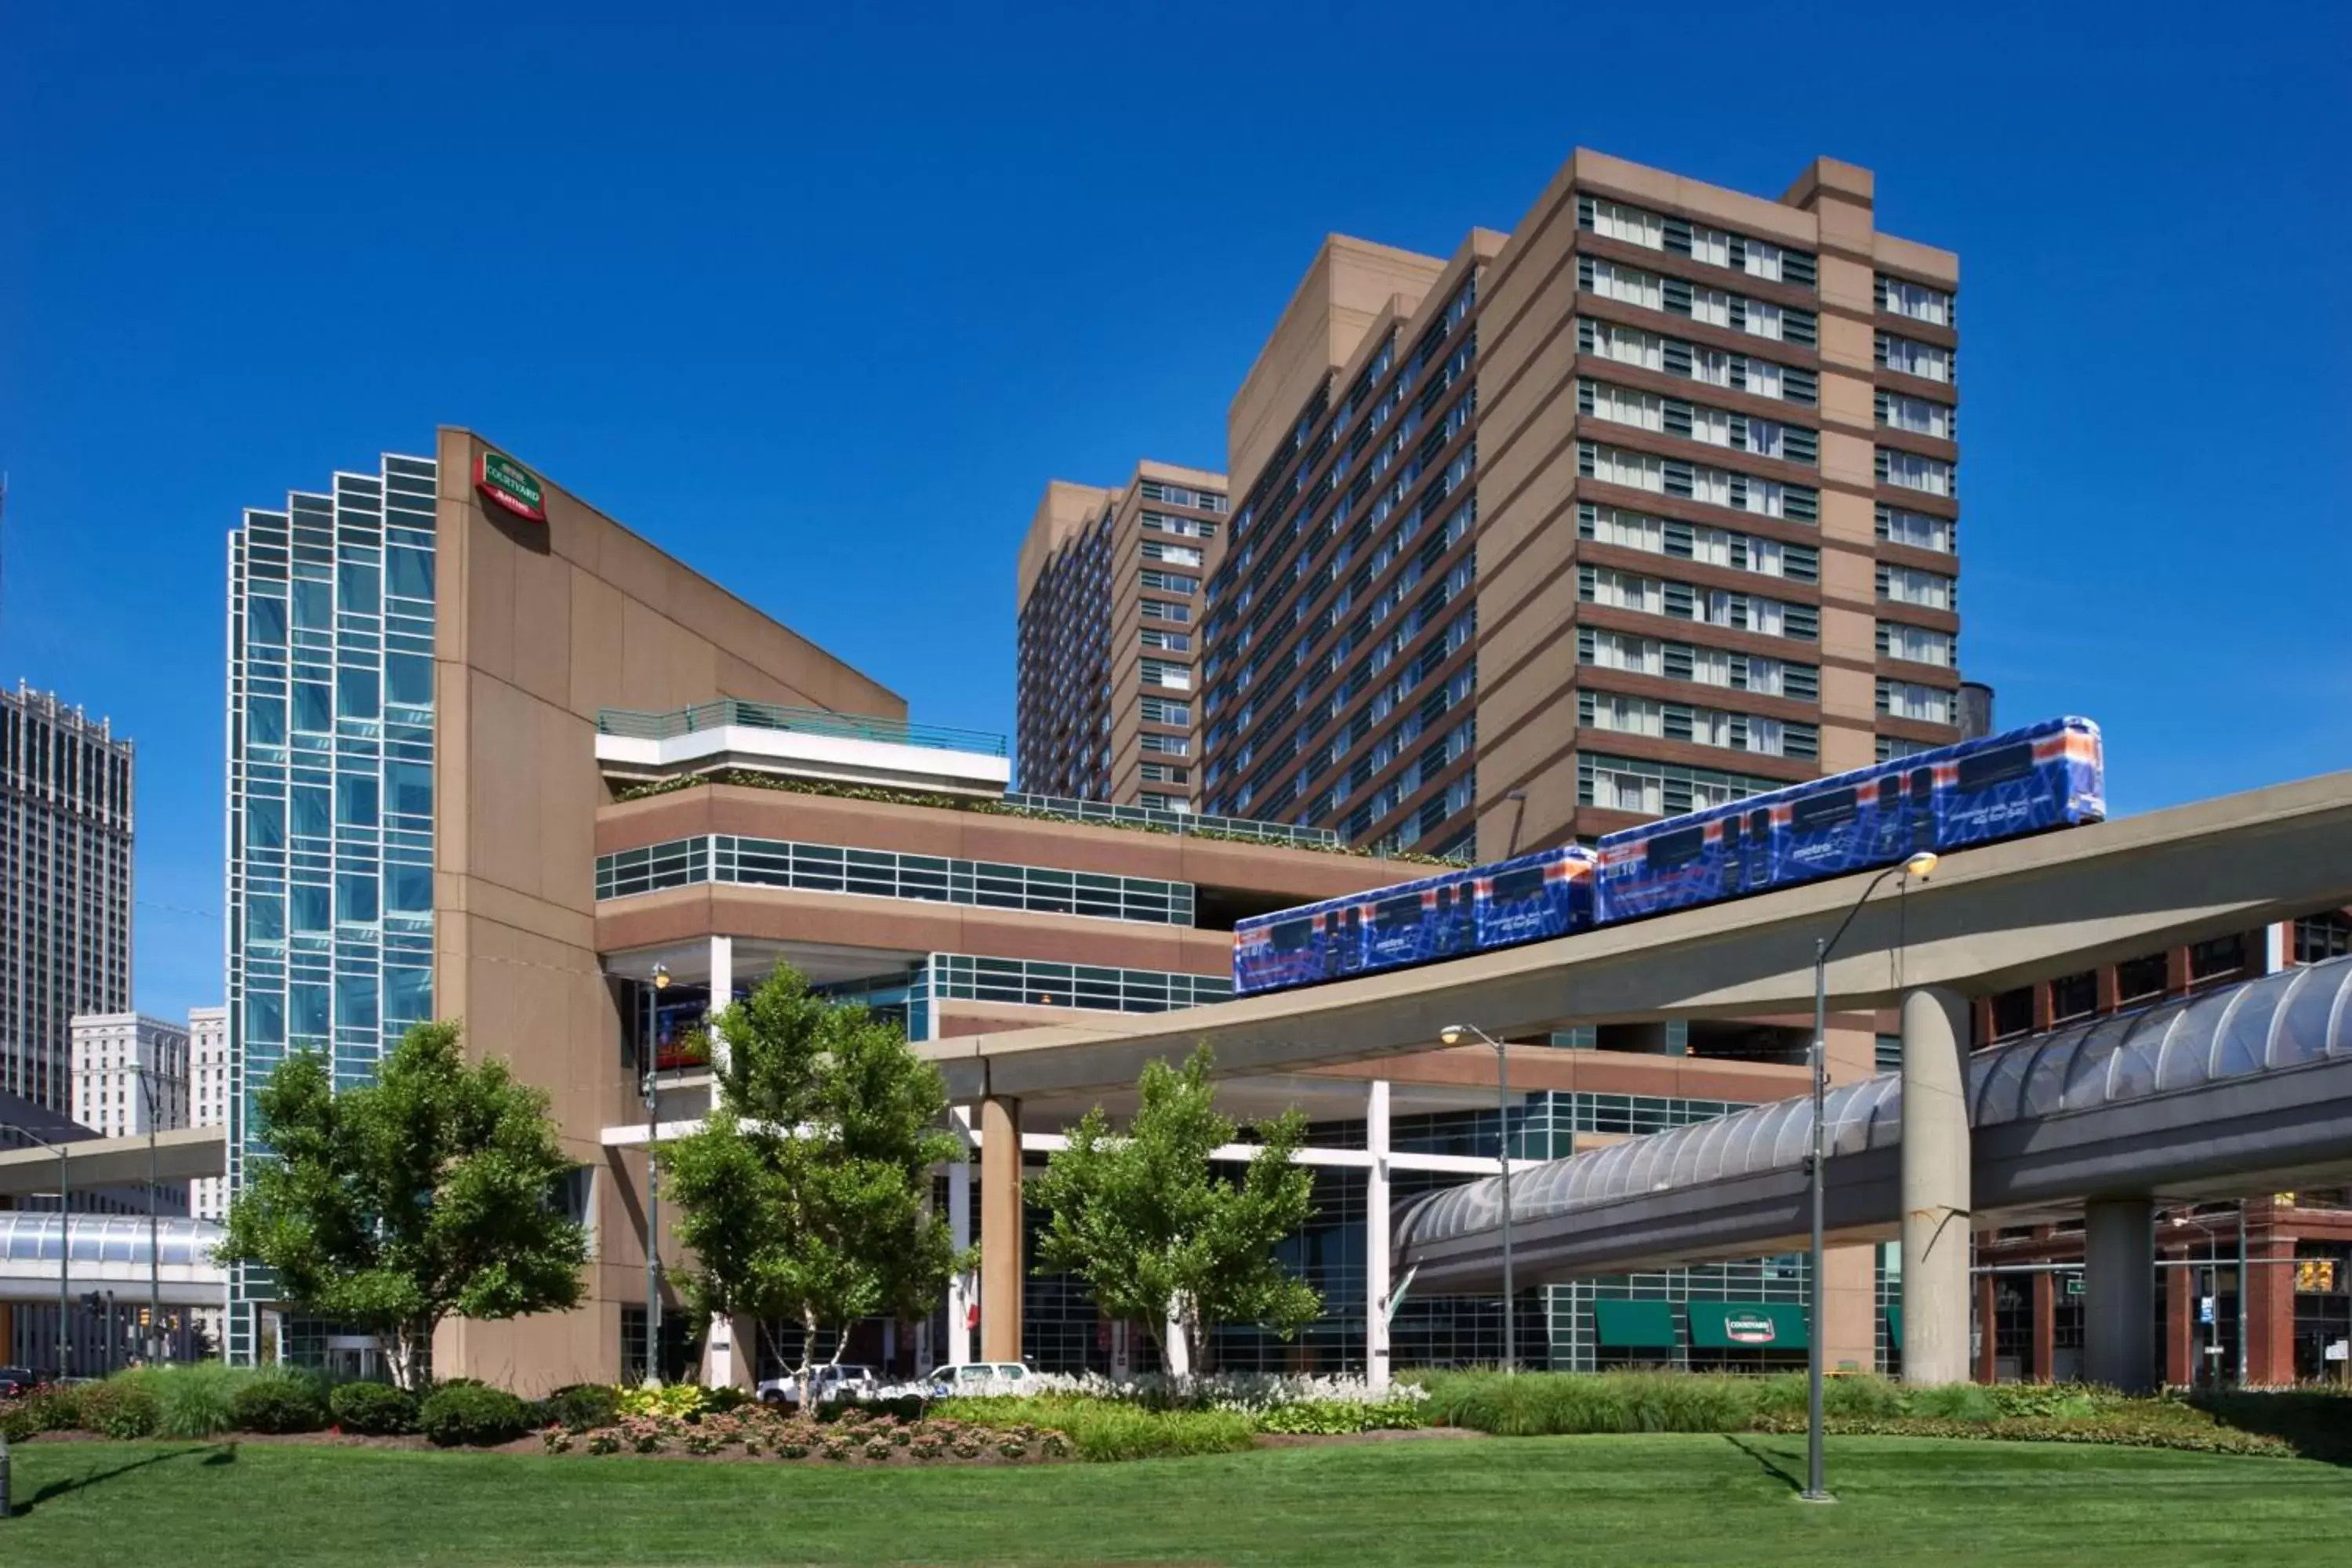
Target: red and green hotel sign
<point>507,483</point>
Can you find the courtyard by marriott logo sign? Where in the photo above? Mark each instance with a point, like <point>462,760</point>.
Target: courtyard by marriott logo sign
<point>1749,1329</point>
<point>507,483</point>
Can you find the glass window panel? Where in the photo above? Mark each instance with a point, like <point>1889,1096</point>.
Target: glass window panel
<point>408,889</point>
<point>314,706</point>
<point>355,898</point>
<point>355,1001</point>
<point>308,906</point>
<point>265,720</point>
<point>408,573</point>
<point>264,917</point>
<point>408,678</point>
<point>407,995</point>
<point>314,605</point>
<point>355,799</point>
<point>264,824</point>
<point>307,1009</point>
<point>410,787</point>
<point>265,1018</point>
<point>359,587</point>
<point>312,818</point>
<point>358,693</point>
<point>264,620</point>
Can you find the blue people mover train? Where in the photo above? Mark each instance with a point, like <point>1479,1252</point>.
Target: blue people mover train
<point>1525,899</point>
<point>2026,781</point>
<point>1998,786</point>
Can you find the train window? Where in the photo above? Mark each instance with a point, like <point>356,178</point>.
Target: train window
<point>1289,936</point>
<point>1393,914</point>
<point>1668,850</point>
<point>1923,783</point>
<point>1524,883</point>
<point>1998,766</point>
<point>1828,809</point>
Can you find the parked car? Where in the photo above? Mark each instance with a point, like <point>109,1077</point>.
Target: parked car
<point>973,1377</point>
<point>16,1380</point>
<point>849,1380</point>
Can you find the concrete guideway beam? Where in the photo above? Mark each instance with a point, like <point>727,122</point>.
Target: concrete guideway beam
<point>1993,918</point>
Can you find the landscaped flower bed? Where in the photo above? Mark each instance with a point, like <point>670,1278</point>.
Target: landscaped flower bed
<point>854,1437</point>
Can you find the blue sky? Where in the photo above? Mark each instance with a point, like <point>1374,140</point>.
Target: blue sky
<point>819,303</point>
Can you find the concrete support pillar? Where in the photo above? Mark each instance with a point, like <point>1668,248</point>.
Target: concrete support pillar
<point>1376,1284</point>
<point>2119,1294</point>
<point>1000,1229</point>
<point>961,1298</point>
<point>1935,1198</point>
<point>2270,1308</point>
<point>731,1352</point>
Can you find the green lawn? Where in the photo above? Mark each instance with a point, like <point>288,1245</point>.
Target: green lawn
<point>1717,1500</point>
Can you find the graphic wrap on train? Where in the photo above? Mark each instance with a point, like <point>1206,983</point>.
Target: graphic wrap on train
<point>2043,776</point>
<point>1528,898</point>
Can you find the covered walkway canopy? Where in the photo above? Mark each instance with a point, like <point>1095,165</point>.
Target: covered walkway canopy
<point>2243,1089</point>
<point>109,1252</point>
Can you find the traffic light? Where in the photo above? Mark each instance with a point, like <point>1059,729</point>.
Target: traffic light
<point>2315,1275</point>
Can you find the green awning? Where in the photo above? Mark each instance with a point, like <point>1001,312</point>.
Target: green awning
<point>1642,1325</point>
<point>1745,1325</point>
<point>1894,1329</point>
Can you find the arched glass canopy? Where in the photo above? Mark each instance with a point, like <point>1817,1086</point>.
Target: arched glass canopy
<point>2276,1024</point>
<point>35,1237</point>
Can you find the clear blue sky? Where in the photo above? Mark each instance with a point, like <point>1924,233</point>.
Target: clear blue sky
<point>819,306</point>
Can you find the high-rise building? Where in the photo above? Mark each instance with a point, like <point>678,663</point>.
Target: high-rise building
<point>65,872</point>
<point>1644,506</point>
<point>1110,601</point>
<point>208,1082</point>
<point>130,1074</point>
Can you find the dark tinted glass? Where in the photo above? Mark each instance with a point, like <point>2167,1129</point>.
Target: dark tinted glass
<point>1825,810</point>
<point>1997,766</point>
<point>1668,850</point>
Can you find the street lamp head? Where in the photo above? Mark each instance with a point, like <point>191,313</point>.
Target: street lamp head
<point>1451,1034</point>
<point>1922,865</point>
<point>661,971</point>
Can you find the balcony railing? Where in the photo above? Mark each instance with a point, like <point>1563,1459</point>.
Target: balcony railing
<point>805,720</point>
<point>1174,821</point>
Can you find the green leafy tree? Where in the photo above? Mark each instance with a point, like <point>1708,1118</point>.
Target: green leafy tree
<point>395,1203</point>
<point>1163,1236</point>
<point>806,1196</point>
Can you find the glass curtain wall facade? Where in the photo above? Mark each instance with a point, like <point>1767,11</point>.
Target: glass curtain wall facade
<point>331,754</point>
<point>65,875</point>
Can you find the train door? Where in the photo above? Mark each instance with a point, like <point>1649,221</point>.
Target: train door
<point>1922,808</point>
<point>1758,849</point>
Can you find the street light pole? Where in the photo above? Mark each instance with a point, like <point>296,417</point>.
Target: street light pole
<point>652,1371</point>
<point>1452,1035</point>
<point>1816,1483</point>
<point>155,1250</point>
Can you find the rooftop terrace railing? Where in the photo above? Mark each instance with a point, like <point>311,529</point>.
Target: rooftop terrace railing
<point>804,720</point>
<point>1174,821</point>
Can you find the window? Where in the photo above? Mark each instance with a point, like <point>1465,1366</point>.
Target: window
<point>1174,555</point>
<point>1167,582</point>
<point>1764,260</point>
<point>1160,710</point>
<point>1627,345</point>
<point>1622,650</point>
<point>1175,642</point>
<point>1174,676</point>
<point>1924,704</point>
<point>1615,789</point>
<point>1626,715</point>
<point>1166,746</point>
<point>1153,610</point>
<point>1644,409</point>
<point>1916,414</point>
<point>1624,590</point>
<point>1914,529</point>
<point>1160,773</point>
<point>1628,285</point>
<point>1917,644</point>
<point>1615,466</point>
<point>1185,527</point>
<point>2318,937</point>
<point>1916,300</point>
<point>1909,585</point>
<point>1617,221</point>
<point>1629,530</point>
<point>1908,471</point>
<point>1927,360</point>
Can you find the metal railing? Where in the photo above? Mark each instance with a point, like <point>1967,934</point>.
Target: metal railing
<point>1175,821</point>
<point>804,720</point>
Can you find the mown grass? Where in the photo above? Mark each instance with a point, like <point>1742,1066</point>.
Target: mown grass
<point>1618,1501</point>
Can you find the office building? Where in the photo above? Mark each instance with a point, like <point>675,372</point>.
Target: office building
<point>495,758</point>
<point>1110,600</point>
<point>65,872</point>
<point>208,1078</point>
<point>1645,505</point>
<point>130,1074</point>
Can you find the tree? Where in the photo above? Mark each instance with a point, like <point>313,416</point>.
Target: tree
<point>1165,1239</point>
<point>394,1204</point>
<point>806,1194</point>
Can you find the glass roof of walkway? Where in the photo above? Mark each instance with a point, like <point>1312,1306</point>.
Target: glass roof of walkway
<point>2278,1024</point>
<point>32,1236</point>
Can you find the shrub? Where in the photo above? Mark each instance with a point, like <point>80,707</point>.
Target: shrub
<point>1952,1402</point>
<point>196,1400</point>
<point>278,1401</point>
<point>471,1414</point>
<point>678,1401</point>
<point>604,1441</point>
<point>581,1406</point>
<point>120,1408</point>
<point>722,1400</point>
<point>54,1408</point>
<point>373,1409</point>
<point>17,1420</point>
<point>1330,1416</point>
